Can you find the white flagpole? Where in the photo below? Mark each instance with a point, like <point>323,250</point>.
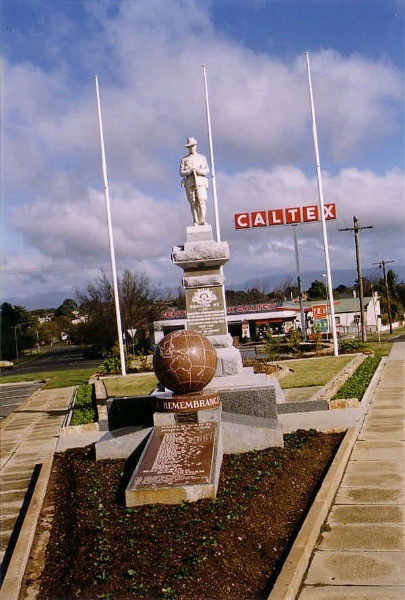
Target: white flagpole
<point>321,206</point>
<point>110,235</point>
<point>214,184</point>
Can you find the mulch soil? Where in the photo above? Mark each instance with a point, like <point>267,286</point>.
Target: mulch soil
<point>229,547</point>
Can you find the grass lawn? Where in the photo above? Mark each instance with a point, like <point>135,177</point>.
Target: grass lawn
<point>55,379</point>
<point>380,348</point>
<point>383,347</point>
<point>131,385</point>
<point>307,372</point>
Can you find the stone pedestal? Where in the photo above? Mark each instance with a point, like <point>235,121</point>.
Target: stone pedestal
<point>202,259</point>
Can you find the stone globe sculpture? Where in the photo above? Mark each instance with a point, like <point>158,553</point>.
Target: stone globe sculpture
<point>184,361</point>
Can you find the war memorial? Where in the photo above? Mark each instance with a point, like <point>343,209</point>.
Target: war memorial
<point>207,403</point>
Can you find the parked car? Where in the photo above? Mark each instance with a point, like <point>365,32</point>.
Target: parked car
<point>92,354</point>
<point>6,364</point>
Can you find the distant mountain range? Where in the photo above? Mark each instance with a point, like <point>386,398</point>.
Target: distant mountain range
<point>346,277</point>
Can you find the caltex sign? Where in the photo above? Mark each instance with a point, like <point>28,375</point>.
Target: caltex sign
<point>283,216</point>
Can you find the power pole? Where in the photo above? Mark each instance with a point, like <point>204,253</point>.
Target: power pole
<point>387,295</point>
<point>356,230</point>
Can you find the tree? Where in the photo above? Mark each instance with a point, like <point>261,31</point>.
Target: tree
<point>317,338</point>
<point>253,295</point>
<point>396,292</point>
<point>342,291</point>
<point>49,331</point>
<point>287,290</point>
<point>178,301</point>
<point>369,285</point>
<point>317,291</point>
<point>294,339</point>
<point>271,345</point>
<point>138,307</point>
<point>67,309</point>
<point>17,330</point>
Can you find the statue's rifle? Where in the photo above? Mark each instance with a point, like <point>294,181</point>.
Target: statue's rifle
<point>197,193</point>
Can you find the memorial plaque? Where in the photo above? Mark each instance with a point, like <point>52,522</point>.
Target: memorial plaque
<point>176,455</point>
<point>206,311</point>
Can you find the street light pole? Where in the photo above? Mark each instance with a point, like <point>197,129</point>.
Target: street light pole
<point>15,342</point>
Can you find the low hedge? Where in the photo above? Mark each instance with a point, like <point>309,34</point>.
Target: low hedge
<point>84,410</point>
<point>357,384</point>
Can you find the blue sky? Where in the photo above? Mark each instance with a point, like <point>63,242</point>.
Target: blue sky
<point>148,55</point>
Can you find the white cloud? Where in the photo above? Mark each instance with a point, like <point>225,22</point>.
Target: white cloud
<point>148,55</point>
<point>358,101</point>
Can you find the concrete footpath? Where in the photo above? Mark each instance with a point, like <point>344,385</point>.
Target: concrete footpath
<point>27,441</point>
<point>360,552</point>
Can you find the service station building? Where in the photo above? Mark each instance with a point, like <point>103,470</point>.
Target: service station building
<point>250,321</point>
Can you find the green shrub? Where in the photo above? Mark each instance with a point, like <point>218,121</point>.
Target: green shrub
<point>358,383</point>
<point>317,337</point>
<point>84,410</point>
<point>143,364</point>
<point>293,340</point>
<point>352,346</point>
<point>271,345</point>
<point>112,364</point>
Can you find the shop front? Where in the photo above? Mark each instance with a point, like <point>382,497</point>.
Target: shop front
<point>245,322</point>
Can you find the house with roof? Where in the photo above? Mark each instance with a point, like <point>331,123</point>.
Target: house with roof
<point>347,314</point>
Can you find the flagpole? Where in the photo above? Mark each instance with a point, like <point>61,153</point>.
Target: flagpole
<point>214,185</point>
<point>110,234</point>
<point>321,206</point>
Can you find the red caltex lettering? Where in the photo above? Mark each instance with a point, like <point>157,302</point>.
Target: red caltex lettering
<point>280,216</point>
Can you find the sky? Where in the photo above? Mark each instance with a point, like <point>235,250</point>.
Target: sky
<point>148,57</point>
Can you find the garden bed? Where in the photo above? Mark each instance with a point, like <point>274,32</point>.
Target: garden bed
<point>229,547</point>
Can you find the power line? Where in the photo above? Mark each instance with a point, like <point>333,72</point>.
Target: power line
<point>46,270</point>
<point>356,229</point>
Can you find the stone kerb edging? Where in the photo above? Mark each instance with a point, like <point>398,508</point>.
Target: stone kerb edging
<point>289,580</point>
<point>283,371</point>
<point>11,585</point>
<point>102,422</point>
<point>330,389</point>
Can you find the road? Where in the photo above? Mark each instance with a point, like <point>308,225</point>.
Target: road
<point>14,394</point>
<point>56,358</point>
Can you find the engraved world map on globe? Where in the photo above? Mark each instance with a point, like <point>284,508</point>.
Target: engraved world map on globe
<point>184,361</point>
